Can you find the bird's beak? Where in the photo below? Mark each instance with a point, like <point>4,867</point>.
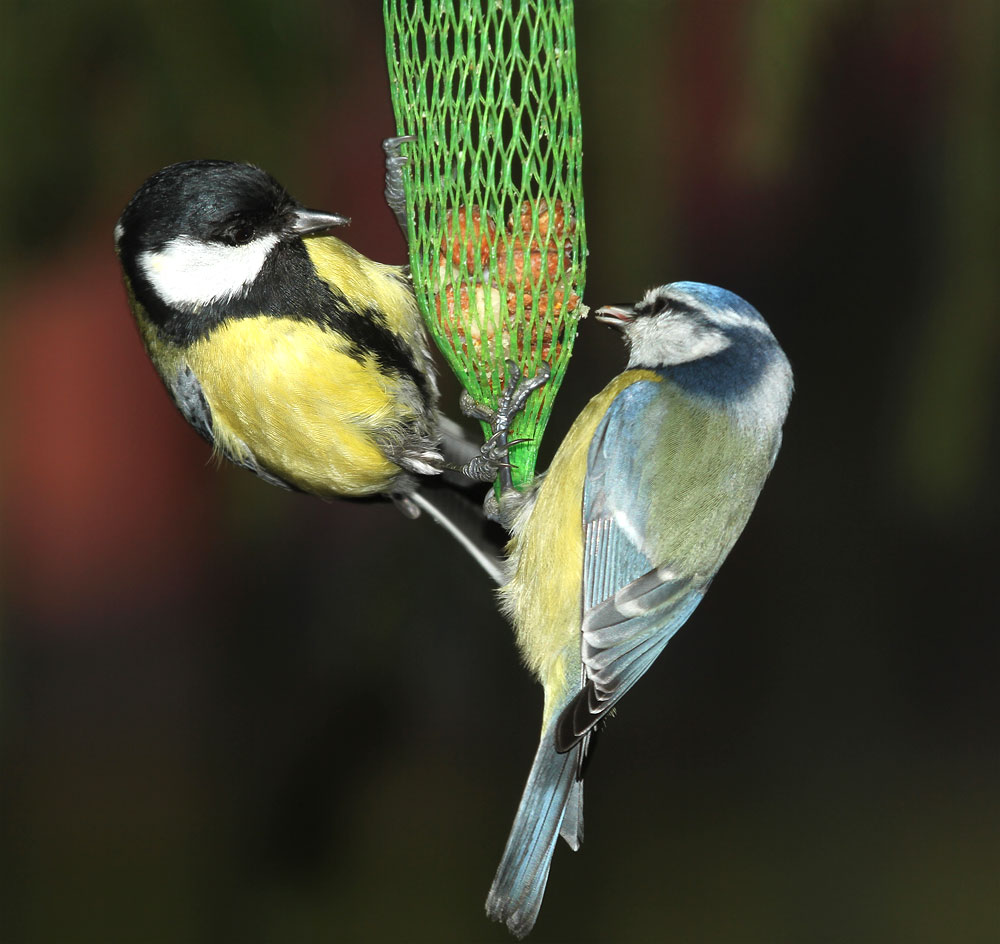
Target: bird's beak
<point>310,222</point>
<point>616,315</point>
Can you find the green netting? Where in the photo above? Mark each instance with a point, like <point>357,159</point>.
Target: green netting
<point>496,229</point>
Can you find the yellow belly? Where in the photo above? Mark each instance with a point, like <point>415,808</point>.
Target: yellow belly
<point>287,392</point>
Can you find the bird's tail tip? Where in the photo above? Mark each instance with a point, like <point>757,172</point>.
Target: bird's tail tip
<point>515,897</point>
<point>518,923</point>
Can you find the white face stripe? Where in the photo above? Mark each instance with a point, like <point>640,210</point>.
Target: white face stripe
<point>119,232</point>
<point>672,339</point>
<point>728,318</point>
<point>189,273</point>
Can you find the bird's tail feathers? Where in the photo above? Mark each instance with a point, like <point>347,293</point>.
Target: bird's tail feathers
<point>572,825</point>
<point>552,804</point>
<point>464,521</point>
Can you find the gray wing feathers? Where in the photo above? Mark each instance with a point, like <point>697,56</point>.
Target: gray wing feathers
<point>616,656</point>
<point>190,400</point>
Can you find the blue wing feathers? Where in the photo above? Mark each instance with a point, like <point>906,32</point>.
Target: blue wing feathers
<point>609,554</point>
<point>613,512</point>
<point>632,605</point>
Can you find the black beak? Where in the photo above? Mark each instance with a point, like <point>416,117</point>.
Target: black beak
<point>311,222</point>
<point>618,316</point>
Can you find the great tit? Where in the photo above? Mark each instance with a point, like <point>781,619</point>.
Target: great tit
<point>293,354</point>
<point>615,546</point>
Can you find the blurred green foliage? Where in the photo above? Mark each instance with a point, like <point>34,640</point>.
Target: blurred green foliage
<point>949,433</point>
<point>91,91</point>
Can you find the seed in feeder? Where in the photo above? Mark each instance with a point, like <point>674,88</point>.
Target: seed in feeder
<point>556,220</point>
<point>469,240</point>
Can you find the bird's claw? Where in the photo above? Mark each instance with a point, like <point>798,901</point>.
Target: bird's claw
<point>492,458</point>
<point>395,192</point>
<point>515,395</point>
<point>485,468</point>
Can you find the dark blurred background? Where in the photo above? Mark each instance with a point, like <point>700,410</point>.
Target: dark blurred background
<point>232,714</point>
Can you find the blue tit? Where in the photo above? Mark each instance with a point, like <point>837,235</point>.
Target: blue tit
<point>293,354</point>
<point>614,547</point>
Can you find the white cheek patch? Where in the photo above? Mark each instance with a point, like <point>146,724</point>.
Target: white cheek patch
<point>189,273</point>
<point>696,343</point>
<point>671,339</point>
<point>119,232</point>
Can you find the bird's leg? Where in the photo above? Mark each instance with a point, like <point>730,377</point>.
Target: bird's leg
<point>395,193</point>
<point>492,458</point>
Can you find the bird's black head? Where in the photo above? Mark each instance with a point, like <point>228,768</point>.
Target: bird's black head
<point>203,240</point>
<point>209,201</point>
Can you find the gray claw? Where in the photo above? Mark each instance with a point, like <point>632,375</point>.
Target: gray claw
<point>492,459</point>
<point>406,505</point>
<point>395,192</point>
<point>391,145</point>
<point>516,394</point>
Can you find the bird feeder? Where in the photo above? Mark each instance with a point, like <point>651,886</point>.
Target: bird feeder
<point>493,189</point>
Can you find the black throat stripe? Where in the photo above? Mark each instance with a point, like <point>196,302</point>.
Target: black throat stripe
<point>288,287</point>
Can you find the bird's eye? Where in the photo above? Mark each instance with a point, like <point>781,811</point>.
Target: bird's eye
<point>237,233</point>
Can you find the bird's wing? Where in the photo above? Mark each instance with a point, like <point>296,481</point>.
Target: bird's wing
<point>190,400</point>
<point>634,600</point>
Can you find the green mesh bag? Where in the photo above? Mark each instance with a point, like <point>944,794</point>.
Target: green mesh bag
<point>493,187</point>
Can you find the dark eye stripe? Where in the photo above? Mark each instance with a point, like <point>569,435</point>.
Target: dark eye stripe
<point>665,301</point>
<point>679,307</point>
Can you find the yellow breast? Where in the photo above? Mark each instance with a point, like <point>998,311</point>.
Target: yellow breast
<point>289,393</point>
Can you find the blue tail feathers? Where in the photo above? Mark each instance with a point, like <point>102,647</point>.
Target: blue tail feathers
<point>516,894</point>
